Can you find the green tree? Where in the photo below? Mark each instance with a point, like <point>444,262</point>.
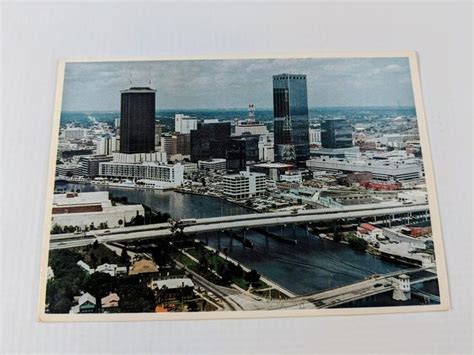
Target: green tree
<point>252,277</point>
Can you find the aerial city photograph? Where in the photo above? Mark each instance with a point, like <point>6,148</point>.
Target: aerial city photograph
<point>239,185</point>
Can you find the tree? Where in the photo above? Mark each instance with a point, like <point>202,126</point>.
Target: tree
<point>56,229</point>
<point>252,277</point>
<point>203,263</point>
<point>135,296</point>
<point>358,244</point>
<point>100,284</point>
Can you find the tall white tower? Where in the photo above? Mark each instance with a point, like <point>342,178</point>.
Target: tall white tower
<point>402,290</point>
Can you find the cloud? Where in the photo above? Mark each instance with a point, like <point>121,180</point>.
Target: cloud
<point>235,83</point>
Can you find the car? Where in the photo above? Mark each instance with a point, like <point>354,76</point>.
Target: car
<point>106,231</point>
<point>378,285</point>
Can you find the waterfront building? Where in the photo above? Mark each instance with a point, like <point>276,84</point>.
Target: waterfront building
<point>84,209</point>
<point>169,175</point>
<point>189,167</point>
<point>385,168</point>
<point>291,122</point>
<point>184,124</point>
<point>90,164</point>
<point>236,156</point>
<point>244,185</point>
<point>68,169</point>
<point>336,133</point>
<point>137,120</point>
<point>74,133</point>
<point>159,157</point>
<point>212,165</point>
<point>209,141</point>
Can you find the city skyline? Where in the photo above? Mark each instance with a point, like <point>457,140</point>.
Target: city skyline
<point>232,84</point>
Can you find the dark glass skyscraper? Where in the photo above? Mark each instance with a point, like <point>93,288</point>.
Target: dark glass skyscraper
<point>209,141</point>
<point>291,122</point>
<point>336,133</point>
<point>137,120</point>
<point>236,155</point>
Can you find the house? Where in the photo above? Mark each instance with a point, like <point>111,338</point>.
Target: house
<point>172,288</point>
<point>85,267</point>
<point>110,303</point>
<point>369,233</point>
<point>86,303</point>
<point>50,273</point>
<point>110,269</point>
<point>143,266</point>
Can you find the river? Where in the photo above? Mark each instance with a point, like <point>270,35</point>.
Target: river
<point>313,264</point>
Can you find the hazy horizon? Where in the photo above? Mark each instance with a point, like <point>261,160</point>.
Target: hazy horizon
<point>233,84</point>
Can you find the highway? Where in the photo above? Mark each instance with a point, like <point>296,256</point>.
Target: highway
<point>216,224</point>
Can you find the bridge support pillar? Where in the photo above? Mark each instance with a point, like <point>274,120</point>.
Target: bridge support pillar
<point>294,231</point>
<point>218,241</point>
<point>306,230</point>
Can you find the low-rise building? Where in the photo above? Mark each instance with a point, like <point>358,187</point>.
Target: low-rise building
<point>169,175</point>
<point>212,165</point>
<point>84,209</point>
<point>110,303</point>
<point>385,168</point>
<point>90,165</point>
<point>370,233</point>
<point>142,266</point>
<point>172,288</point>
<point>86,303</point>
<point>244,185</point>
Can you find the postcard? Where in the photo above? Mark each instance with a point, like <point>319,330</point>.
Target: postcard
<point>240,187</point>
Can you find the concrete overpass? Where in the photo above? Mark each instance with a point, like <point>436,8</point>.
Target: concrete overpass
<point>217,224</point>
<point>359,290</point>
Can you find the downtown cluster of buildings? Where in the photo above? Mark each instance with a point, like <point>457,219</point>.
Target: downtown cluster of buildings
<point>248,155</point>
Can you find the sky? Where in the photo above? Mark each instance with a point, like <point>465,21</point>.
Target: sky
<point>227,84</point>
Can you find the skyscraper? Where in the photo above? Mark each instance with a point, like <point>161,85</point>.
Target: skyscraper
<point>336,133</point>
<point>236,155</point>
<point>291,122</point>
<point>137,120</point>
<point>209,141</point>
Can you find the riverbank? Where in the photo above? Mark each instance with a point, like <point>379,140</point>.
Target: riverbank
<point>247,269</point>
<point>219,198</point>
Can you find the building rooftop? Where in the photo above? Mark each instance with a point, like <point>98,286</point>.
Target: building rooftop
<point>174,283</point>
<point>80,198</point>
<point>137,89</point>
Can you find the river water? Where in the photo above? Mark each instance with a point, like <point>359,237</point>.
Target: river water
<point>313,264</point>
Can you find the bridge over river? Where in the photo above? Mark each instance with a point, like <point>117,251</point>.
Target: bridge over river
<point>238,222</point>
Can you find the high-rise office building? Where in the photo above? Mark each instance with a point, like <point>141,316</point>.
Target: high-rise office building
<point>137,120</point>
<point>236,156</point>
<point>291,122</point>
<point>209,141</point>
<point>184,124</point>
<point>336,133</point>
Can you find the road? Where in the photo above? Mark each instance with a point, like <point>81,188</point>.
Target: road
<point>216,224</point>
